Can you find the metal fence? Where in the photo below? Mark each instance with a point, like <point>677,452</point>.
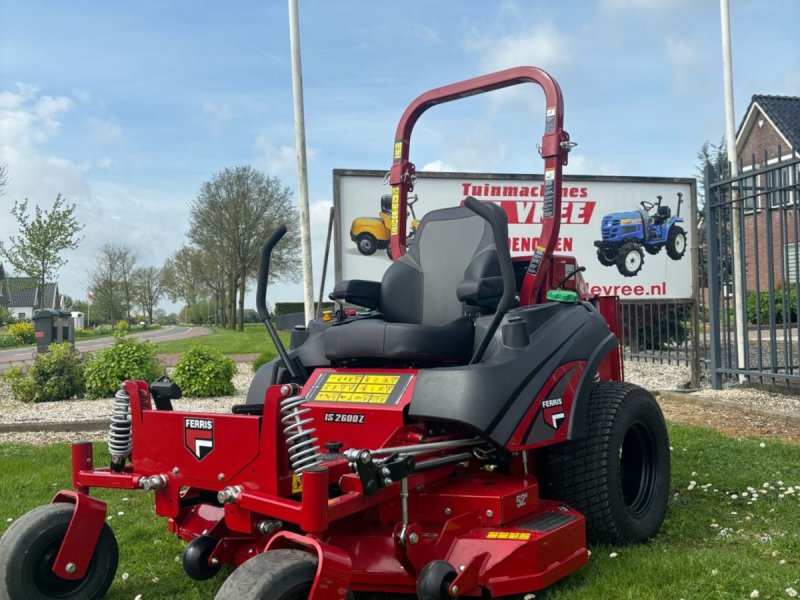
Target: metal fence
<point>752,233</point>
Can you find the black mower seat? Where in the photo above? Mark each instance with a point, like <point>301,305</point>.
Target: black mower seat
<point>423,318</point>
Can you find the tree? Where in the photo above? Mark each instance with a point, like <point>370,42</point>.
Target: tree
<point>181,275</point>
<point>716,157</point>
<point>232,216</point>
<point>126,258</point>
<point>38,250</point>
<point>148,287</point>
<point>108,304</point>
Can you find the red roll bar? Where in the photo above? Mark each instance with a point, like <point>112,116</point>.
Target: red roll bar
<point>554,150</point>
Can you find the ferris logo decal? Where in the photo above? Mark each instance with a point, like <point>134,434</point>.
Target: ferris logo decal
<point>553,410</point>
<point>198,436</point>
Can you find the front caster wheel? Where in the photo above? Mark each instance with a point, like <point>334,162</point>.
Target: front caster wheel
<point>273,575</point>
<point>434,580</point>
<point>29,548</point>
<point>195,558</point>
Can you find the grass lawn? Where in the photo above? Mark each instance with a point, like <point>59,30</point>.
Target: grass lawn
<point>717,542</point>
<point>253,340</point>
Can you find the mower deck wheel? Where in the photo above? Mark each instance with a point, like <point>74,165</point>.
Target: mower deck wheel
<point>434,580</point>
<point>29,548</point>
<point>272,575</point>
<point>195,558</point>
<point>618,474</point>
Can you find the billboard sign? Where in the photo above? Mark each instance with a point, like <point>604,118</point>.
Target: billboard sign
<point>633,244</point>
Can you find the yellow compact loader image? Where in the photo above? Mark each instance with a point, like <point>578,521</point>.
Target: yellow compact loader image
<point>372,233</point>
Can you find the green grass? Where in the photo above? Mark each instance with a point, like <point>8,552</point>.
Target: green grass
<point>253,340</point>
<point>712,546</point>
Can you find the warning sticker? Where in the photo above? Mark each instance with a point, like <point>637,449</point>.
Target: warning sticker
<point>297,484</point>
<point>362,389</point>
<point>395,209</point>
<point>507,535</point>
<point>398,150</point>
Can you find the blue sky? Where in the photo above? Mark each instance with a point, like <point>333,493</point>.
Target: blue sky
<point>126,108</point>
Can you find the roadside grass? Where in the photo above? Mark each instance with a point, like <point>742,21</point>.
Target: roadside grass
<point>726,537</point>
<point>253,340</point>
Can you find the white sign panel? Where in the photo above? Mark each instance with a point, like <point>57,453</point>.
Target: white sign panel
<point>632,244</point>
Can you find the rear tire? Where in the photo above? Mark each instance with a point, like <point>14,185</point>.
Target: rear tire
<point>29,548</point>
<point>618,475</point>
<point>676,243</point>
<point>366,243</point>
<point>272,575</point>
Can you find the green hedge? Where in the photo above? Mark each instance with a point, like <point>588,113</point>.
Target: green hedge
<point>126,358</point>
<point>55,375</point>
<point>204,372</point>
<point>758,307</point>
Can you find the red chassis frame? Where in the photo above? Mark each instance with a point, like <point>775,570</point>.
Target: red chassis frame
<point>484,524</point>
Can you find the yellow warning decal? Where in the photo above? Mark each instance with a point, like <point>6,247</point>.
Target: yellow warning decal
<point>398,150</point>
<point>507,535</point>
<point>395,209</point>
<point>297,484</point>
<point>361,389</point>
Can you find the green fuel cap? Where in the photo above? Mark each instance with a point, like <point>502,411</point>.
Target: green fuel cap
<point>565,296</point>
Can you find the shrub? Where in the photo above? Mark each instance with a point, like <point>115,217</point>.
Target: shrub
<point>204,372</point>
<point>126,358</point>
<point>7,339</point>
<point>121,325</point>
<point>83,333</point>
<point>55,375</point>
<point>265,357</point>
<point>6,316</point>
<point>25,332</point>
<point>104,329</point>
<point>758,307</point>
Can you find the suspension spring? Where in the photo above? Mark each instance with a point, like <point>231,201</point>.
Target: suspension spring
<point>119,431</point>
<point>300,440</point>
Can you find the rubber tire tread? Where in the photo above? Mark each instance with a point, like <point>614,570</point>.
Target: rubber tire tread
<point>272,575</point>
<point>626,248</point>
<point>584,472</point>
<point>25,531</point>
<point>671,250</point>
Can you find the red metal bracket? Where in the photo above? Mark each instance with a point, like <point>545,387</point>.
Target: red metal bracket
<point>82,534</point>
<point>334,568</point>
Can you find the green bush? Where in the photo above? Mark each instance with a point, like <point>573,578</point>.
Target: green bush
<point>121,325</point>
<point>25,332</point>
<point>55,375</point>
<point>83,333</point>
<point>204,372</point>
<point>7,339</point>
<point>6,316</point>
<point>104,329</point>
<point>758,307</point>
<point>265,357</point>
<point>126,358</point>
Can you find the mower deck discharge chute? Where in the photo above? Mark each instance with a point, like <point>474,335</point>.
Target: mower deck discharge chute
<point>463,438</point>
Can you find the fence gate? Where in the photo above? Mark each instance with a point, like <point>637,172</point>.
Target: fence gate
<point>761,206</point>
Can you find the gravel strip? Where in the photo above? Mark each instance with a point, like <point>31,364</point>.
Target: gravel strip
<point>654,376</point>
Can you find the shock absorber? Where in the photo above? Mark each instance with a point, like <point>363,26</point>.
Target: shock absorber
<point>303,451</point>
<point>119,431</point>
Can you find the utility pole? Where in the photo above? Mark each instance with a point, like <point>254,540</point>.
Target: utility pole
<point>730,135</point>
<point>302,167</point>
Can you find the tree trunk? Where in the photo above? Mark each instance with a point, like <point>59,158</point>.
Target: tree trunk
<point>242,286</point>
<point>232,302</point>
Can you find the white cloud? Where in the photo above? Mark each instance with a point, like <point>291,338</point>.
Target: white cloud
<point>104,163</point>
<point>580,164</point>
<point>439,166</point>
<point>542,46</point>
<point>103,130</point>
<point>279,160</point>
<point>26,117</point>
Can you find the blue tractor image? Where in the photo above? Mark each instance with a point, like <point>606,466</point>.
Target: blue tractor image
<point>625,234</point>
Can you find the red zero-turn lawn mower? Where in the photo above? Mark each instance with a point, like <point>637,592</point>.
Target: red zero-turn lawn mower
<point>464,438</point>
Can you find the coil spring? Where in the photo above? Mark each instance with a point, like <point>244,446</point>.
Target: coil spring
<point>119,431</point>
<point>303,453</point>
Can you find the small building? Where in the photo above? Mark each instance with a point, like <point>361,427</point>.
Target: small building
<point>23,296</point>
<point>769,135</point>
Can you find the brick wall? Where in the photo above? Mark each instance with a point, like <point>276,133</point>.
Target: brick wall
<point>782,223</point>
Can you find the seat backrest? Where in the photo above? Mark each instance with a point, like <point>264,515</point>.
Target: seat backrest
<point>450,245</point>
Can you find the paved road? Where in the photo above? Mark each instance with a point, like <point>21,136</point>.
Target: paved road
<point>14,356</point>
